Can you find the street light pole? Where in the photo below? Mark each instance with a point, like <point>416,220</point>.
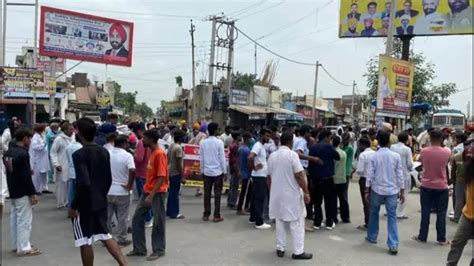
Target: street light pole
<point>391,26</point>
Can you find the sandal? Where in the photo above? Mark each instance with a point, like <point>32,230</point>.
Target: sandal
<point>29,253</point>
<point>445,243</point>
<point>417,239</point>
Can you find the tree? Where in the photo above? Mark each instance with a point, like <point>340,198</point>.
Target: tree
<point>128,101</point>
<point>424,91</point>
<point>240,81</point>
<point>179,81</point>
<point>143,110</point>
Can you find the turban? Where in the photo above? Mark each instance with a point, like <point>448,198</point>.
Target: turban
<point>120,31</point>
<point>107,128</point>
<point>387,127</point>
<point>196,126</point>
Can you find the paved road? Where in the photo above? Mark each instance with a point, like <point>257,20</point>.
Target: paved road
<point>233,242</point>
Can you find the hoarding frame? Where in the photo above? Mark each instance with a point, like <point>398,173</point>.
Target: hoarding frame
<point>42,51</point>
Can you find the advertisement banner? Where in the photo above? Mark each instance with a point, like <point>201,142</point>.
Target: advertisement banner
<point>192,165</point>
<point>395,87</point>
<point>261,95</point>
<point>103,100</point>
<point>43,63</point>
<point>48,87</point>
<point>239,97</point>
<point>370,18</point>
<point>78,36</point>
<point>20,79</point>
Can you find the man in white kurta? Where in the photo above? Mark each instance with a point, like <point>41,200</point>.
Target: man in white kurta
<point>39,161</point>
<point>60,164</point>
<point>288,194</point>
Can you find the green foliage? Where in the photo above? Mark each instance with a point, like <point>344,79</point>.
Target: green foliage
<point>241,81</point>
<point>179,81</point>
<point>128,101</point>
<point>424,91</point>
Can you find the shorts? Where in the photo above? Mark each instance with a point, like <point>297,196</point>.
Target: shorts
<point>89,227</point>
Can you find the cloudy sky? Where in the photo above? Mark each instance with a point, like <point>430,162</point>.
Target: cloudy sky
<point>301,30</point>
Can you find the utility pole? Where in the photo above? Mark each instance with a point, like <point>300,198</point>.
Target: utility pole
<point>315,93</point>
<point>255,57</point>
<point>213,51</point>
<point>352,102</point>
<point>193,105</point>
<point>3,29</point>
<point>230,57</point>
<point>52,94</point>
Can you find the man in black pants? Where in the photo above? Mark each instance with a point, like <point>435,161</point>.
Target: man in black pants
<point>257,162</point>
<point>88,211</point>
<point>362,167</point>
<point>322,176</point>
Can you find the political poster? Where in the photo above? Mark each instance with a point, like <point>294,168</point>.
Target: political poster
<point>370,18</point>
<point>103,100</point>
<point>20,79</point>
<point>394,87</point>
<point>79,36</point>
<point>48,86</point>
<point>192,165</point>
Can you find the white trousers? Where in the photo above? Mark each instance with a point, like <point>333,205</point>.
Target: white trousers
<point>40,181</point>
<point>401,206</point>
<point>61,193</point>
<point>296,229</point>
<point>21,216</point>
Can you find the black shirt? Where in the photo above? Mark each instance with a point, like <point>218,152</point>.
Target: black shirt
<point>93,177</point>
<point>327,154</point>
<point>18,169</point>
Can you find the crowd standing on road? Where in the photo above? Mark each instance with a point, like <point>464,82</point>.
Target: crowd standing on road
<point>284,176</point>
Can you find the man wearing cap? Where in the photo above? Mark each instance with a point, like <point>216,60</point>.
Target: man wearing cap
<point>117,37</point>
<point>405,27</point>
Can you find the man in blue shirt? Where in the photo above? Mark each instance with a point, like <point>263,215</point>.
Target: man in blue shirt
<point>384,183</point>
<point>323,182</point>
<point>244,172</point>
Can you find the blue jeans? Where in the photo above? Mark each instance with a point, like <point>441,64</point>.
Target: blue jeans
<point>437,199</point>
<point>391,206</point>
<point>139,183</point>
<point>172,207</point>
<point>71,191</point>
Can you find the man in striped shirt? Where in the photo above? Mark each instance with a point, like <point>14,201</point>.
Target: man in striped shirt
<point>384,182</point>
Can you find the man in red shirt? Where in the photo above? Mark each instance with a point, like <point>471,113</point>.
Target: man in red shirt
<point>141,157</point>
<point>153,197</point>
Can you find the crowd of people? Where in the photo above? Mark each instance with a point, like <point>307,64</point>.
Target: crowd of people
<point>276,176</point>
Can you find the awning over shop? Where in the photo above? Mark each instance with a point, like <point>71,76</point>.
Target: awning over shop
<point>29,95</point>
<point>254,112</point>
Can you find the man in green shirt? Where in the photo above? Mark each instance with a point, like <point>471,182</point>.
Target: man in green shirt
<point>340,180</point>
<point>349,150</point>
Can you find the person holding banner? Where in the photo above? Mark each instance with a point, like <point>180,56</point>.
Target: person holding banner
<point>213,168</point>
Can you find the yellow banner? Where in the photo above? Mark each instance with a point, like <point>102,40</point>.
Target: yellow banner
<point>395,87</point>
<point>103,100</point>
<point>370,18</point>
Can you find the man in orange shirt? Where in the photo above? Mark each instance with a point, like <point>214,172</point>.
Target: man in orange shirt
<point>154,197</point>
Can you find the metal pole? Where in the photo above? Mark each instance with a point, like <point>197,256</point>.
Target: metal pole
<point>193,105</point>
<point>255,56</point>
<point>3,20</point>
<point>52,95</point>
<point>35,54</point>
<point>352,103</point>
<point>313,111</point>
<point>213,50</point>
<point>389,48</point>
<point>230,57</point>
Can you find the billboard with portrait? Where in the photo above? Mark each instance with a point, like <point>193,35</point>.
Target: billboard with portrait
<point>370,18</point>
<point>78,36</point>
<point>395,87</point>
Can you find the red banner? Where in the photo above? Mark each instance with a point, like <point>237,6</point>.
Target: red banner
<point>78,36</point>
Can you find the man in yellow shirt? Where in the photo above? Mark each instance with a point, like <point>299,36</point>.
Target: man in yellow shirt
<point>465,230</point>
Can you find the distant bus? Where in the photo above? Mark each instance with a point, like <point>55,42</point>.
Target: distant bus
<point>449,118</point>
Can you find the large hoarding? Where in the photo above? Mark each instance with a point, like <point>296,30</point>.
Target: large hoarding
<point>78,36</point>
<point>370,18</point>
<point>395,87</point>
<point>21,79</point>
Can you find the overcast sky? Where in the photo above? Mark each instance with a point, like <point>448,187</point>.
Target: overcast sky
<point>302,30</point>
